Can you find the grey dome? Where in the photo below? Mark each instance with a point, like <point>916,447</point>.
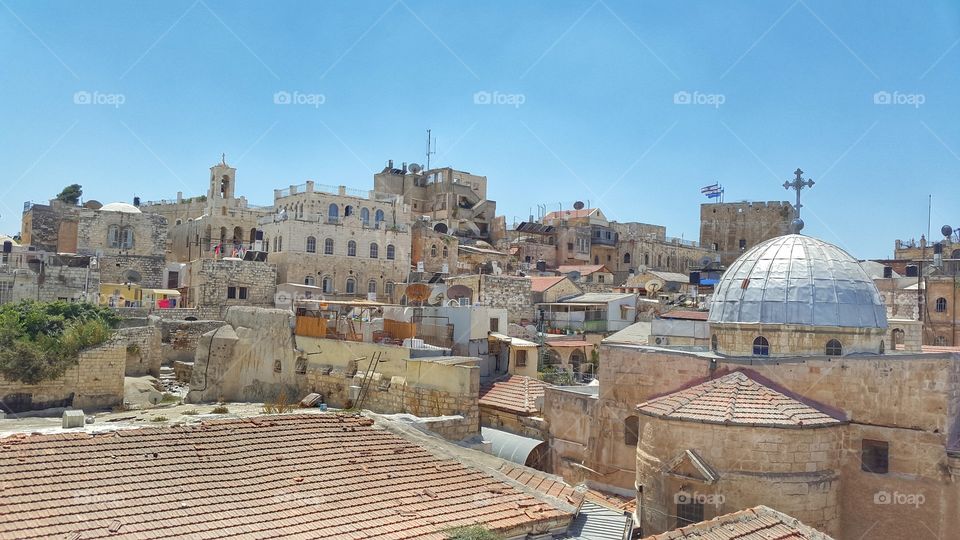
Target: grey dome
<point>795,279</point>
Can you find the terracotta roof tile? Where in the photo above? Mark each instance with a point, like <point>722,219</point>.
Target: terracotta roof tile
<point>513,393</point>
<point>758,523</point>
<point>307,476</point>
<point>542,283</point>
<point>736,399</point>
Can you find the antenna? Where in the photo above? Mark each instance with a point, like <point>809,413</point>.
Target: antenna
<point>431,148</point>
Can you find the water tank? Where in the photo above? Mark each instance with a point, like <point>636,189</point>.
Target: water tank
<point>888,271</point>
<point>541,265</point>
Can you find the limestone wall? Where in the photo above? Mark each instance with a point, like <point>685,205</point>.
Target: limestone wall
<point>507,292</point>
<point>736,339</point>
<point>54,283</point>
<point>209,282</point>
<point>114,268</point>
<point>725,224</point>
<point>149,233</point>
<point>95,382</point>
<point>794,470</point>
<point>142,347</point>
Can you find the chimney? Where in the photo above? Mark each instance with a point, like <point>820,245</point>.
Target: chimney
<point>390,164</point>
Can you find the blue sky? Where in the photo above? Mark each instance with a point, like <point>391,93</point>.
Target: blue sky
<point>584,103</point>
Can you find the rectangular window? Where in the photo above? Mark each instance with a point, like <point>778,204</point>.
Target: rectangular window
<point>569,246</point>
<point>688,510</point>
<point>874,456</point>
<point>242,293</point>
<point>494,325</point>
<point>173,280</point>
<point>231,293</point>
<point>301,366</point>
<point>522,358</point>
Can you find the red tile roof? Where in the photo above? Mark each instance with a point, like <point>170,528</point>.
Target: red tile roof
<point>555,487</point>
<point>513,393</point>
<point>758,523</point>
<point>736,399</point>
<point>542,283</point>
<point>290,476</point>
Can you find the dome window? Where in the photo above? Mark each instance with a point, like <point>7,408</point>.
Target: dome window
<point>761,347</point>
<point>834,348</point>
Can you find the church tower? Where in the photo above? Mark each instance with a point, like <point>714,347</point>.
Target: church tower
<point>223,181</point>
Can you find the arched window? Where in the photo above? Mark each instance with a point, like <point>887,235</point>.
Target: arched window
<point>659,260</point>
<point>126,237</point>
<point>374,250</point>
<point>834,348</point>
<point>433,250</point>
<point>365,216</point>
<point>311,244</point>
<point>223,234</point>
<point>714,342</point>
<point>940,340</point>
<point>378,216</point>
<point>274,244</point>
<point>626,258</point>
<point>333,213</point>
<point>941,305</point>
<point>351,249</point>
<point>279,243</point>
<point>761,347</point>
<point>351,286</point>
<point>646,259</point>
<point>113,236</point>
<point>881,347</point>
<point>446,252</point>
<point>391,252</point>
<point>327,284</point>
<point>237,235</point>
<point>328,246</point>
<point>372,286</point>
<point>631,431</point>
<point>388,288</point>
<point>347,211</point>
<point>309,280</point>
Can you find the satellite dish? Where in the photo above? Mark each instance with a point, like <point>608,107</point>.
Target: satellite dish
<point>418,292</point>
<point>436,295</point>
<point>578,205</point>
<point>93,204</point>
<point>131,276</point>
<point>653,286</point>
<point>459,291</point>
<point>946,230</point>
<point>414,168</point>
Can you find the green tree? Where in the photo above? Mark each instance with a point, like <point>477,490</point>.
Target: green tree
<point>71,194</point>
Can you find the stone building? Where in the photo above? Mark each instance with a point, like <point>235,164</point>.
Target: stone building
<point>645,247</point>
<point>213,286</point>
<point>941,324</point>
<point>455,201</point>
<point>348,243</point>
<point>211,226</point>
<point>729,229</point>
<point>50,227</point>
<point>130,246</point>
<point>508,292</point>
<point>815,419</point>
<point>438,252</point>
<point>34,275</point>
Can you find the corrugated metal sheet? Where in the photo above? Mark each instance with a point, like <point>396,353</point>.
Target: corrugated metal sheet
<point>505,445</point>
<point>597,522</point>
<point>795,279</point>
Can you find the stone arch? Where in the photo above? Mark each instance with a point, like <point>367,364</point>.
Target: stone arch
<point>631,430</point>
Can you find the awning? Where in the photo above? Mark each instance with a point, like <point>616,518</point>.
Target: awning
<point>513,341</point>
<point>167,292</point>
<point>513,448</point>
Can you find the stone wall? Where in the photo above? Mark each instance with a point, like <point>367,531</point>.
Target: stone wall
<point>149,233</point>
<point>51,228</point>
<point>528,426</point>
<point>96,382</point>
<point>208,282</point>
<point>507,292</point>
<point>142,348</point>
<point>53,283</point>
<point>432,248</point>
<point>726,224</point>
<point>115,268</point>
<point>736,339</point>
<point>179,338</point>
<point>797,471</point>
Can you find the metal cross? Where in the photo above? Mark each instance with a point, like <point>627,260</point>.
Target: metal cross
<point>798,184</point>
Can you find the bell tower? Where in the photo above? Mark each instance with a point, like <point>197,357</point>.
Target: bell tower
<point>223,181</point>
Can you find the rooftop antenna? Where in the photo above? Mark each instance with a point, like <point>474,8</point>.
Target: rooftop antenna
<point>798,184</point>
<point>431,148</point>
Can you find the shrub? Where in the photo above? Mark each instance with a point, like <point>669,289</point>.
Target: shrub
<point>167,397</point>
<point>40,340</point>
<point>159,419</point>
<point>190,412</point>
<point>472,532</point>
<point>220,410</point>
